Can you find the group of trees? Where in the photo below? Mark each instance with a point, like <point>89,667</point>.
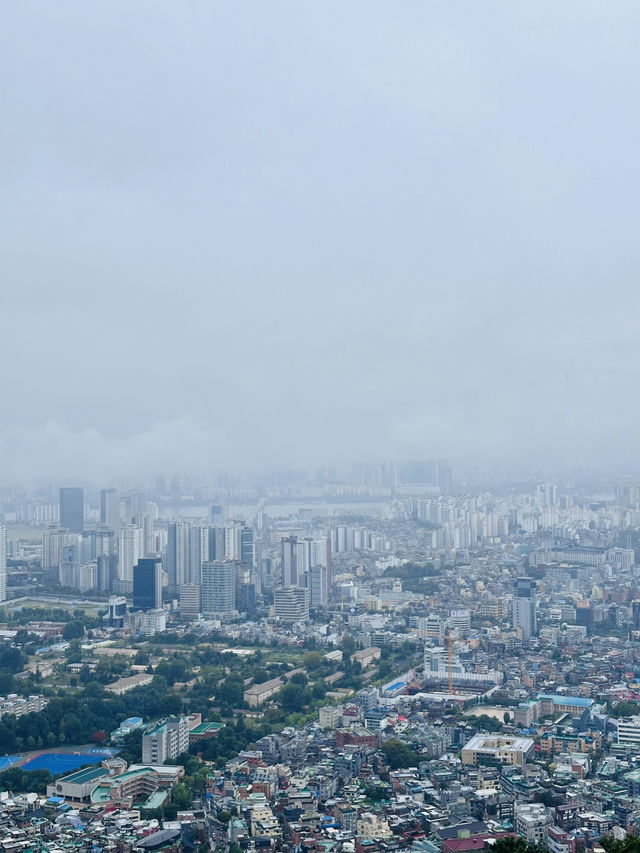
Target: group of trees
<point>229,741</point>
<point>18,780</point>
<point>629,844</point>
<point>515,844</point>
<point>486,723</point>
<point>21,615</point>
<point>625,709</point>
<point>412,571</point>
<point>76,718</point>
<point>415,577</point>
<point>399,754</point>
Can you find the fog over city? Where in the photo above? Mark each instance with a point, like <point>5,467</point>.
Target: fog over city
<point>281,233</point>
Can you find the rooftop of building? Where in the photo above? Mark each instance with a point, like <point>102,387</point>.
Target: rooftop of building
<point>491,741</point>
<point>577,701</point>
<point>80,777</point>
<point>203,728</point>
<point>266,685</point>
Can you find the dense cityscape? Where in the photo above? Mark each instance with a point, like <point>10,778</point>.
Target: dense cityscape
<point>319,470</point>
<point>375,662</point>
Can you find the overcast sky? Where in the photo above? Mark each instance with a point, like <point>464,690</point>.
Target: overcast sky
<point>269,232</point>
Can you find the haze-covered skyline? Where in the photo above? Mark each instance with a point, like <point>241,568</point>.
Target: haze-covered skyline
<point>277,233</point>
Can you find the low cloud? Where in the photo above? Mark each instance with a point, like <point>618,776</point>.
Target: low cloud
<point>56,452</point>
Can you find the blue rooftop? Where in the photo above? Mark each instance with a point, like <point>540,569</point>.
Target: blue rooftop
<point>578,701</point>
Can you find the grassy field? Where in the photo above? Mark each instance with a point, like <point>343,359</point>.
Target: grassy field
<point>49,604</point>
<point>283,655</point>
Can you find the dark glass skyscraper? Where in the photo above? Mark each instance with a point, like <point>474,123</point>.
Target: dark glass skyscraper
<point>147,583</point>
<point>72,509</point>
<point>246,546</point>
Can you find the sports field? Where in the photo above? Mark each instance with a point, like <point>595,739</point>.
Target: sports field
<point>63,762</point>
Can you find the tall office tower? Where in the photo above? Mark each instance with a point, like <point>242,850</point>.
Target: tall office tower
<point>3,563</point>
<point>51,550</point>
<point>87,551</point>
<point>319,551</point>
<point>246,599</point>
<point>197,553</point>
<point>216,515</point>
<point>72,509</point>
<point>117,611</point>
<point>299,556</point>
<point>218,587</point>
<point>106,572</point>
<point>105,541</point>
<point>53,541</point>
<point>289,557</point>
<point>524,608</point>
<point>628,495</point>
<point>584,616</point>
<point>146,523</point>
<point>130,550</point>
<point>87,576</point>
<point>247,553</point>
<point>187,550</point>
<point>147,583</point>
<point>546,494</point>
<point>165,740</point>
<point>191,600</point>
<point>303,560</point>
<point>149,534</point>
<point>232,541</point>
<point>216,543</point>
<point>151,539</point>
<point>340,541</point>
<point>320,555</point>
<point>244,575</point>
<point>174,554</point>
<point>69,565</point>
<point>137,500</point>
<point>291,604</point>
<point>110,509</point>
<point>318,586</point>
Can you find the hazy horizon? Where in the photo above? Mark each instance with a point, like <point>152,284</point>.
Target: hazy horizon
<point>267,234</point>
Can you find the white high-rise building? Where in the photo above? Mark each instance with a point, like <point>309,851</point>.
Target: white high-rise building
<point>54,539</point>
<point>191,600</point>
<point>233,542</point>
<point>288,546</point>
<point>105,541</point>
<point>165,740</point>
<point>291,604</point>
<point>187,550</point>
<point>110,509</point>
<point>87,577</point>
<point>218,587</point>
<point>146,523</point>
<point>197,553</point>
<point>51,549</point>
<point>130,550</point>
<point>319,551</point>
<point>318,586</point>
<point>524,608</point>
